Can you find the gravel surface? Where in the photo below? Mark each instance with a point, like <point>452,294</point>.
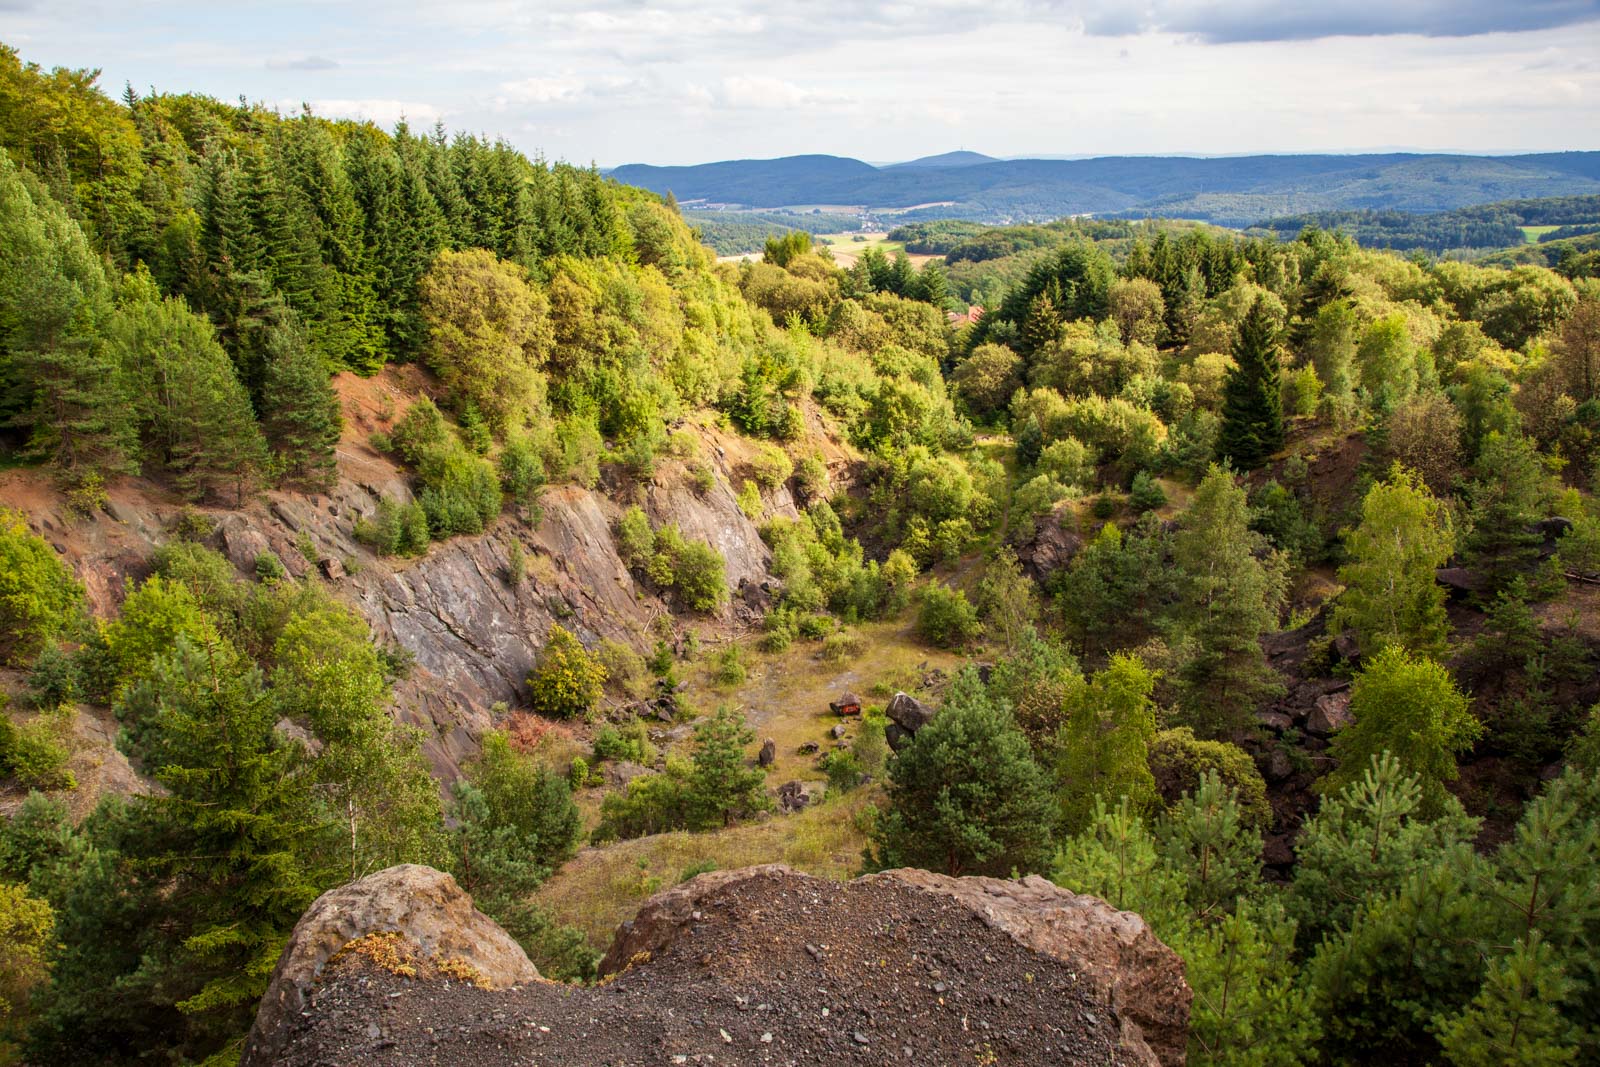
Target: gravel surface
<point>770,971</point>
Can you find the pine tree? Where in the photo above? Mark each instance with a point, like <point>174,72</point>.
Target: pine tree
<point>1363,842</point>
<point>722,786</point>
<point>1516,1019</point>
<point>1205,838</point>
<point>965,796</point>
<point>300,411</point>
<point>1252,404</point>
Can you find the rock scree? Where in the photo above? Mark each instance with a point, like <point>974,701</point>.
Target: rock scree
<point>755,966</point>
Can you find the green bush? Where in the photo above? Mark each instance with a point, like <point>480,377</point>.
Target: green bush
<point>730,669</point>
<point>395,529</point>
<point>651,804</point>
<point>568,680</point>
<point>1146,494</point>
<point>1179,760</point>
<point>636,540</point>
<point>631,743</point>
<point>521,470</point>
<point>749,500</point>
<point>36,752</point>
<point>843,769</point>
<point>947,618</point>
<point>39,597</point>
<point>771,466</point>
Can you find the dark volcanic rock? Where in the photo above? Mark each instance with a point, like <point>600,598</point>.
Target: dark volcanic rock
<point>767,966</point>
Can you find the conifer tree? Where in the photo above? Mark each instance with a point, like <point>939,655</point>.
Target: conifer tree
<point>1232,589</point>
<point>1252,403</point>
<point>195,416</point>
<point>1516,1019</point>
<point>1508,482</point>
<point>722,786</point>
<point>300,411</point>
<point>58,383</point>
<point>965,796</point>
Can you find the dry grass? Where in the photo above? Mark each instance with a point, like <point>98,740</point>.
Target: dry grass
<point>601,887</point>
<point>785,697</point>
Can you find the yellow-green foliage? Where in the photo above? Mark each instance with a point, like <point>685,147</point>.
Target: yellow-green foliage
<point>1178,760</point>
<point>39,597</point>
<point>27,926</point>
<point>568,680</point>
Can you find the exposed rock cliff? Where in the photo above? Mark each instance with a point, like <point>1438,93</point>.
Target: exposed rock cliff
<point>472,631</point>
<point>761,965</point>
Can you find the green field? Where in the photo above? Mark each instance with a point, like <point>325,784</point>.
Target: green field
<point>1533,233</point>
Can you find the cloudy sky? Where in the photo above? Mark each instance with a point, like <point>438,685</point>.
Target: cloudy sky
<point>686,81</point>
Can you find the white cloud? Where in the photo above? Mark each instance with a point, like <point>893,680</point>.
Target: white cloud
<point>383,113</point>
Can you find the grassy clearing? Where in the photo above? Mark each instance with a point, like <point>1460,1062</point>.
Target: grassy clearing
<point>848,247</point>
<point>1532,233</point>
<point>785,697</point>
<point>602,887</point>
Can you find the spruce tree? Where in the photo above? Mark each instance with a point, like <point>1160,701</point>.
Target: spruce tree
<point>300,411</point>
<point>1516,1019</point>
<point>58,382</point>
<point>1508,482</point>
<point>1232,588</point>
<point>1252,405</point>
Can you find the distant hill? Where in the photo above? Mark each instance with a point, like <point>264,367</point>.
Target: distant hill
<point>1233,191</point>
<point>949,159</point>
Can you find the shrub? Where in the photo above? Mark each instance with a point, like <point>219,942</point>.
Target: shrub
<point>651,804</point>
<point>626,670</point>
<point>1179,760</point>
<point>401,529</point>
<point>702,478</point>
<point>811,478</point>
<point>37,751</point>
<point>568,680</point>
<point>269,568</point>
<point>730,670</point>
<point>947,618</point>
<point>521,470</point>
<point>749,500</point>
<point>699,573</point>
<point>630,743</point>
<point>771,466</point>
<point>636,541</point>
<point>39,597</point>
<point>842,645</point>
<point>843,769</point>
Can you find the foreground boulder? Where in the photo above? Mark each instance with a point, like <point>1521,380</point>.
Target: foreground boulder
<point>768,966</point>
<point>431,913</point>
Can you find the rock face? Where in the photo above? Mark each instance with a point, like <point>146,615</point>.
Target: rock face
<point>768,966</point>
<point>472,631</point>
<point>906,716</point>
<point>424,906</point>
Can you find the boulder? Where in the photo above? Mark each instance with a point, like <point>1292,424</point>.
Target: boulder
<point>909,713</point>
<point>1140,978</point>
<point>1459,582</point>
<point>768,753</point>
<point>1275,764</point>
<point>1053,546</point>
<point>1330,714</point>
<point>796,796</point>
<point>731,967</point>
<point>1276,721</point>
<point>426,907</point>
<point>619,773</point>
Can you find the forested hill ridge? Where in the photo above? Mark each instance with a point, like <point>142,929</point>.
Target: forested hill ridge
<point>373,498</point>
<point>1229,191</point>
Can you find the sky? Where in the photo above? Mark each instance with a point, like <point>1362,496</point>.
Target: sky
<point>690,81</point>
